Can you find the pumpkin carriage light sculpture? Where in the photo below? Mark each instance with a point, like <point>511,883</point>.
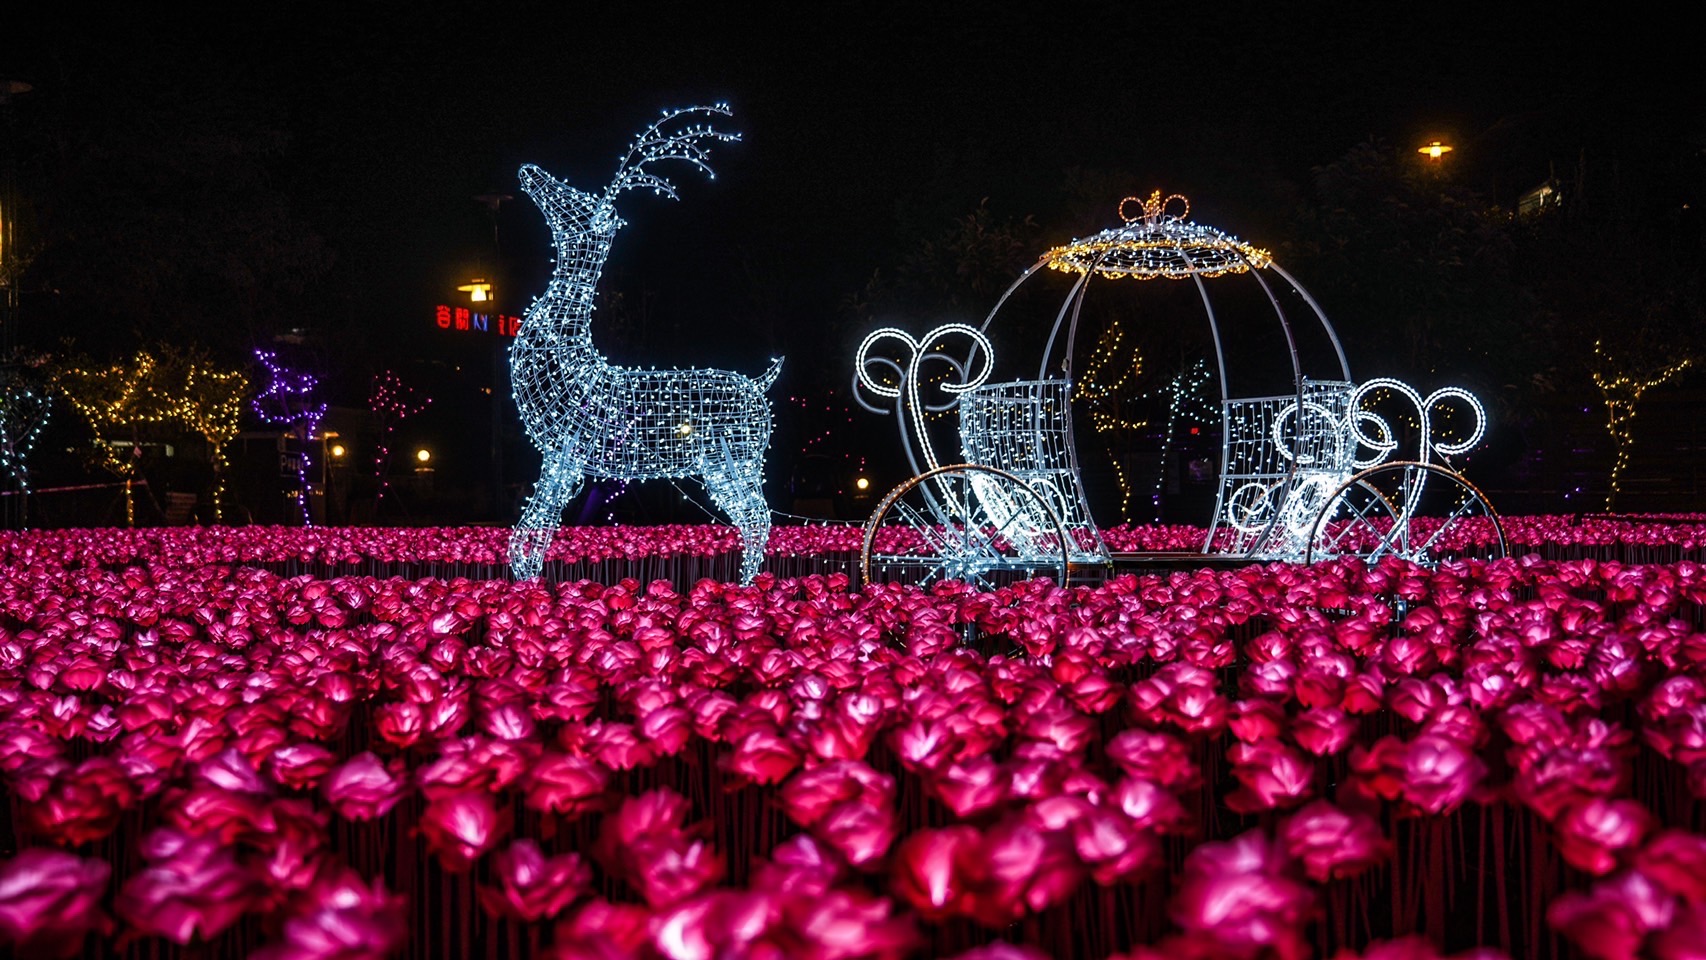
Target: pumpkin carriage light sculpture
<point>1305,474</point>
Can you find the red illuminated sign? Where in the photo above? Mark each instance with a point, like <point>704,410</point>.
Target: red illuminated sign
<point>461,318</point>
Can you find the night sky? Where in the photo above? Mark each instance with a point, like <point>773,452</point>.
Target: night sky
<point>860,121</point>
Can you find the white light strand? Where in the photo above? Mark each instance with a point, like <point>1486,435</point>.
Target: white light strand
<point>915,354</point>
<point>24,413</point>
<point>591,418</point>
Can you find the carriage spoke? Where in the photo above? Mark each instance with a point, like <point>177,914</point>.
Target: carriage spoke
<point>1461,511</point>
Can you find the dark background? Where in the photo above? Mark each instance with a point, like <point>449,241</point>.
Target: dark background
<point>308,171</point>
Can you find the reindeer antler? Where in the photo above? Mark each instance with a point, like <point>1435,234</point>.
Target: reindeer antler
<point>656,143</point>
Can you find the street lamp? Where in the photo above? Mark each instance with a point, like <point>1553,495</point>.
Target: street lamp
<point>479,289</point>
<point>1435,150</point>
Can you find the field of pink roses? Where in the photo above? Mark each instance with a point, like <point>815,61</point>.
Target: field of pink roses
<point>205,756</point>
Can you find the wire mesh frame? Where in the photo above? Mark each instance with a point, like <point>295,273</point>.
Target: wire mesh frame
<point>1234,262</point>
<point>591,418</point>
<point>1024,427</point>
<point>1282,459</point>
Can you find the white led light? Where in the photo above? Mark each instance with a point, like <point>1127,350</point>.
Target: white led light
<point>916,353</point>
<point>23,415</point>
<point>593,419</point>
<point>1384,442</point>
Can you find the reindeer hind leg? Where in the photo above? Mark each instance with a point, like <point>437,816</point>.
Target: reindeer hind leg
<point>559,482</point>
<point>737,490</point>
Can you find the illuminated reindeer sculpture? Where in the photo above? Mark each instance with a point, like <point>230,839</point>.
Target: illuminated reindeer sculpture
<point>593,419</point>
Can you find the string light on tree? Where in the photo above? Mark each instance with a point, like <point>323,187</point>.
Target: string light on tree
<point>1186,402</point>
<point>591,418</point>
<point>288,400</point>
<point>1106,401</point>
<point>391,402</point>
<point>179,387</point>
<point>24,413</point>
<point>1621,392</point>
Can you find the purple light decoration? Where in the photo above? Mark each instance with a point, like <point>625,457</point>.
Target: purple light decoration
<point>288,401</point>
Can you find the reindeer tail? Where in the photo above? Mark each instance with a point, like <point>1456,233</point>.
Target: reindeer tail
<point>770,375</point>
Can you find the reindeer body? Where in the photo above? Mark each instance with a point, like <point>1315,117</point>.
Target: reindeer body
<point>592,418</point>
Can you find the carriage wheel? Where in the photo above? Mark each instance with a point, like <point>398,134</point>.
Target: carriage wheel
<point>964,522</point>
<point>1420,512</point>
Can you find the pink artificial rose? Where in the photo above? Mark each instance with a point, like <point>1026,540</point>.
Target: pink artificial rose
<point>531,886</point>
<point>720,923</point>
<point>802,864</point>
<point>291,837</point>
<point>364,788</point>
<point>192,885</point>
<point>604,931</point>
<point>861,832</point>
<point>1152,806</point>
<point>763,757</point>
<point>846,924</point>
<point>668,869</point>
<point>1333,843</point>
<point>1272,776</point>
<point>82,804</point>
<point>1438,774</point>
<point>1593,832</point>
<point>1156,756</point>
<point>1022,869</point>
<point>461,827</point>
<point>1684,939</point>
<point>1676,860</point>
<point>567,785</point>
<point>344,919</point>
<point>1114,847</point>
<point>970,787</point>
<point>49,901</point>
<point>207,810</point>
<point>230,770</point>
<point>400,724</point>
<point>931,868</point>
<point>1611,920</point>
<point>1324,731</point>
<point>808,795</point>
<point>655,814</point>
<point>1552,780</point>
<point>300,766</point>
<point>1237,893</point>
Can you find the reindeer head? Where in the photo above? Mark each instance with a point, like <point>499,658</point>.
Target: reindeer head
<point>582,224</point>
<point>569,212</point>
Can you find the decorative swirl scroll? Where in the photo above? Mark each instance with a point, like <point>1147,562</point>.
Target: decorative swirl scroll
<point>898,380</point>
<point>1384,440</point>
<point>1154,210</point>
<point>1316,428</point>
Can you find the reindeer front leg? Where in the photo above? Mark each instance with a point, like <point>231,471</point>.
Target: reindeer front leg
<point>559,482</point>
<point>736,489</point>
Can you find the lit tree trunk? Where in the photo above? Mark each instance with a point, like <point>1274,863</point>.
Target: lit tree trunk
<point>1621,391</point>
